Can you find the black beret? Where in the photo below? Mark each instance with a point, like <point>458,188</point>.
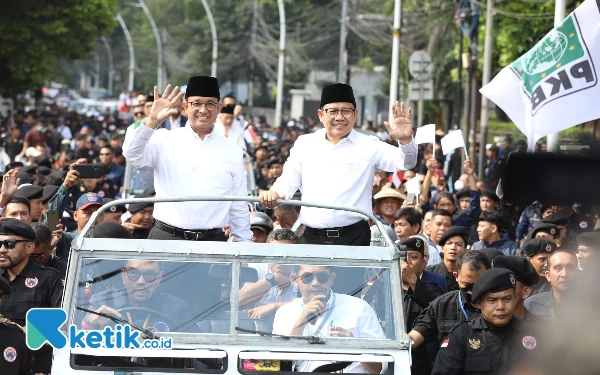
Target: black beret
<point>546,228</point>
<point>228,109</point>
<point>521,267</point>
<point>557,218</point>
<point>538,246</point>
<point>31,169</point>
<point>463,193</point>
<point>337,93</point>
<point>44,170</point>
<point>207,87</point>
<point>44,162</point>
<point>137,207</point>
<point>491,253</point>
<point>30,192</point>
<point>5,288</point>
<point>109,229</point>
<point>118,208</point>
<point>490,194</point>
<point>48,192</point>
<point>26,178</point>
<point>589,239</point>
<point>413,244</point>
<point>17,228</point>
<point>453,232</point>
<point>492,281</point>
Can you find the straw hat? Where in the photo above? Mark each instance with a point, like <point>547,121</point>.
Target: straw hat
<point>387,192</point>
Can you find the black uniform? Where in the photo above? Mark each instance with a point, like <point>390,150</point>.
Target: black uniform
<point>17,359</point>
<point>541,287</point>
<point>443,314</point>
<point>478,347</point>
<point>59,265</point>
<point>441,270</point>
<point>579,224</point>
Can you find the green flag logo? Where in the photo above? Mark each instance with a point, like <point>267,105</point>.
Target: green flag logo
<point>558,65</point>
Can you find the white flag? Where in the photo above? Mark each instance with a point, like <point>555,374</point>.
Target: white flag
<point>425,134</point>
<point>452,141</point>
<point>554,86</point>
<point>413,186</point>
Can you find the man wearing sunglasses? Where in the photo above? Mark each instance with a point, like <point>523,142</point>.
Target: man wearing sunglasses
<point>141,279</point>
<point>321,312</point>
<point>32,285</point>
<point>336,166</point>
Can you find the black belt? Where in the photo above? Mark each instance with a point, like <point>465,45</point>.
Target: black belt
<point>190,235</point>
<point>337,232</point>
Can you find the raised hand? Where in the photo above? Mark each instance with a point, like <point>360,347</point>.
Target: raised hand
<point>10,184</point>
<point>468,166</point>
<point>164,106</point>
<point>401,129</point>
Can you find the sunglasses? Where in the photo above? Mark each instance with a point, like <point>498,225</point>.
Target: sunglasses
<point>11,244</point>
<point>322,277</point>
<point>135,275</point>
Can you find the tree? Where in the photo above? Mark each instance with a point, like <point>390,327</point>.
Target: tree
<point>34,34</point>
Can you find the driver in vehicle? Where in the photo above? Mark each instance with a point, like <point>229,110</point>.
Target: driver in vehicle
<point>322,312</point>
<point>139,302</point>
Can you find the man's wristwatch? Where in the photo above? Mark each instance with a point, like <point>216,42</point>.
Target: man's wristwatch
<point>271,279</point>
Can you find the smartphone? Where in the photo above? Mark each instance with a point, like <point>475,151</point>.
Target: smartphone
<point>411,198</point>
<point>403,254</point>
<point>53,219</point>
<point>90,170</point>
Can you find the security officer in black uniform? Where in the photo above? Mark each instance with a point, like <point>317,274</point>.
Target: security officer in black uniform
<point>459,237</point>
<point>455,307</point>
<point>16,357</point>
<point>32,285</point>
<point>566,238</point>
<point>537,252</point>
<point>526,277</point>
<point>495,342</point>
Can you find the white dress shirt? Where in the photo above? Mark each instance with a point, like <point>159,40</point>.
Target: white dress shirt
<point>175,124</point>
<point>186,165</point>
<point>234,134</point>
<point>347,312</point>
<point>340,174</point>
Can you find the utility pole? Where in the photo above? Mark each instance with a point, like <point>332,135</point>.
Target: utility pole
<point>111,71</point>
<point>252,62</point>
<point>281,64</point>
<point>131,52</point>
<point>560,8</point>
<point>487,72</point>
<point>343,35</point>
<point>215,42</point>
<point>395,58</point>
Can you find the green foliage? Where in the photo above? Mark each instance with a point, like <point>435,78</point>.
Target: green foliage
<point>34,34</point>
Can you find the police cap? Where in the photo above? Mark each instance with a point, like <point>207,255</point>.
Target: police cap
<point>589,239</point>
<point>16,227</point>
<point>546,228</point>
<point>521,267</point>
<point>454,232</point>
<point>492,281</point>
<point>30,192</point>
<point>557,218</point>
<point>413,244</point>
<point>539,246</point>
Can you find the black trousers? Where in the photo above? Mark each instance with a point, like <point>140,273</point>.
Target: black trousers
<point>359,237</point>
<point>159,234</point>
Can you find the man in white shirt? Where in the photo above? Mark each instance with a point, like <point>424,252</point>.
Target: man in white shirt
<point>224,126</point>
<point>321,312</point>
<point>336,165</point>
<point>191,161</point>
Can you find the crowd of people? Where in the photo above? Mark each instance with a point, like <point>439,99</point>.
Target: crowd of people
<point>478,274</point>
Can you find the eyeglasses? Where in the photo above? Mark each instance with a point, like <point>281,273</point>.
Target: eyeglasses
<point>138,113</point>
<point>135,275</point>
<point>37,256</point>
<point>11,244</point>
<point>210,106</point>
<point>322,277</point>
<point>333,112</point>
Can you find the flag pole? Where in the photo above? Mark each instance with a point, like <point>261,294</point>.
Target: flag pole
<point>560,9</point>
<point>487,72</point>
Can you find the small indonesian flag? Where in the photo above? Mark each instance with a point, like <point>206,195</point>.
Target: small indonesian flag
<point>396,179</point>
<point>445,343</point>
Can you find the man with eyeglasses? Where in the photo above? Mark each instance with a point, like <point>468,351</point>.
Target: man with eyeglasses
<point>192,161</point>
<point>336,166</point>
<point>322,312</point>
<point>141,280</point>
<point>32,285</point>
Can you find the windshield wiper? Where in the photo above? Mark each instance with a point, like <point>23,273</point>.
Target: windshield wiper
<point>311,340</point>
<point>145,331</point>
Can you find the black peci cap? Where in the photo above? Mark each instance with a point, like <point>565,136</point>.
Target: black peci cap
<point>14,227</point>
<point>337,93</point>
<point>203,86</point>
<point>228,109</point>
<point>492,281</point>
<point>521,267</point>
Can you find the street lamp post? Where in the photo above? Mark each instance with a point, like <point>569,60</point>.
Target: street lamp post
<point>159,68</point>
<point>395,58</point>
<point>110,65</point>
<point>342,52</point>
<point>131,53</point>
<point>280,66</point>
<point>215,42</point>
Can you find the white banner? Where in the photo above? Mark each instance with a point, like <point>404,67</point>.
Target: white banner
<point>452,141</point>
<point>425,134</point>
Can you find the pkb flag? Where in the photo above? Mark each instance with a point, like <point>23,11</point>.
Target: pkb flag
<point>554,86</point>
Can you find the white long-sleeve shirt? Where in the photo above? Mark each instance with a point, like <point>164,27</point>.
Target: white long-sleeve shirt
<point>340,174</point>
<point>186,165</point>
